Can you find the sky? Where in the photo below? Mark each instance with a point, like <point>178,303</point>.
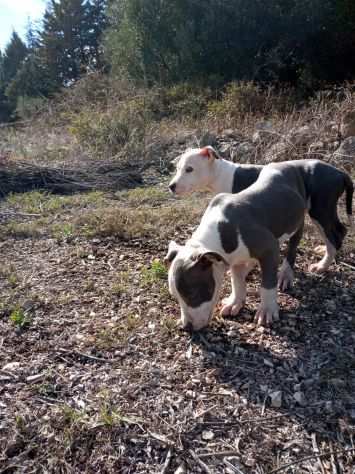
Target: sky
<point>14,15</point>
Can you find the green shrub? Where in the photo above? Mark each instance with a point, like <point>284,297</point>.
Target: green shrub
<point>19,318</point>
<point>248,98</point>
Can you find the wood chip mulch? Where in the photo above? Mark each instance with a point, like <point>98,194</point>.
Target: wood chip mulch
<point>101,379</point>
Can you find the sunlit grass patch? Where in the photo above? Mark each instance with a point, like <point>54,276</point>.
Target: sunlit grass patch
<point>144,222</point>
<point>156,272</point>
<point>19,318</point>
<point>152,196</point>
<point>120,284</point>
<point>23,230</point>
<point>43,203</point>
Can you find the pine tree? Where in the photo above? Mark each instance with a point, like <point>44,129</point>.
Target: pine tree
<point>96,24</point>
<point>14,54</point>
<point>70,38</point>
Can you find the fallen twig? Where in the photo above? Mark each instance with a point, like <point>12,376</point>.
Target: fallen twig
<point>202,465</point>
<point>219,454</point>
<point>232,467</point>
<point>312,456</point>
<point>167,462</point>
<point>163,439</point>
<point>19,214</point>
<point>243,422</point>
<point>347,265</point>
<point>85,356</point>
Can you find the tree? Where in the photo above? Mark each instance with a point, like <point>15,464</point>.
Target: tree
<point>14,54</point>
<point>10,62</point>
<point>282,40</point>
<point>70,38</point>
<point>96,20</point>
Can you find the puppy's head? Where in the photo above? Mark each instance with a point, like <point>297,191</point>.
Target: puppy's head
<point>194,170</point>
<point>195,278</point>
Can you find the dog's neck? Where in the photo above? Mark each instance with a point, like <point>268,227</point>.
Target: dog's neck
<point>223,178</point>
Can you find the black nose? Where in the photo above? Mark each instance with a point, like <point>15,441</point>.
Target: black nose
<point>172,187</point>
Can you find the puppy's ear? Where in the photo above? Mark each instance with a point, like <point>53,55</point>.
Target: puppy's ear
<point>173,250</point>
<point>210,153</point>
<point>208,258</point>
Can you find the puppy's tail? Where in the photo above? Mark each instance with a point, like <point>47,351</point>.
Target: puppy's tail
<point>349,191</point>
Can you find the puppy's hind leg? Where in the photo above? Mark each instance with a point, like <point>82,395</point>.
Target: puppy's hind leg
<point>324,215</point>
<point>332,232</point>
<point>286,274</point>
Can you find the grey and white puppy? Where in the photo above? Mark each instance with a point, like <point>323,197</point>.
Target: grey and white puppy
<point>323,184</point>
<point>236,231</point>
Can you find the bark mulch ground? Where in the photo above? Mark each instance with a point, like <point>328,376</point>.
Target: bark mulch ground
<point>96,376</point>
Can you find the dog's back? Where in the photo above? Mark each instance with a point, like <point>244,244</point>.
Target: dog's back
<point>276,202</point>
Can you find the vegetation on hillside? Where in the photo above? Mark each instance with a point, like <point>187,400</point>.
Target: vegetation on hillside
<point>303,43</point>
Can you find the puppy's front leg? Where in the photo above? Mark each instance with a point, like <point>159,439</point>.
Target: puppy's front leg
<point>235,302</point>
<point>268,310</point>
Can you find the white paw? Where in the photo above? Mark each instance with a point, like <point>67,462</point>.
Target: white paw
<point>266,315</point>
<point>232,306</point>
<point>318,267</point>
<point>285,280</point>
<point>285,276</point>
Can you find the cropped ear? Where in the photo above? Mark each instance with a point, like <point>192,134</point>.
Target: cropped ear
<point>173,250</point>
<point>210,153</point>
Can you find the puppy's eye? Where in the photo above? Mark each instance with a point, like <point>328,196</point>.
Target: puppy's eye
<point>189,169</point>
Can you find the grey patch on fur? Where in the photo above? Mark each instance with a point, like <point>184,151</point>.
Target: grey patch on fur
<point>195,282</point>
<point>322,183</point>
<point>228,235</point>
<point>245,176</point>
<point>261,214</point>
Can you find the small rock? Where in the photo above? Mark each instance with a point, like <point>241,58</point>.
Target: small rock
<point>276,399</point>
<point>300,398</point>
<point>181,469</point>
<point>225,148</point>
<point>153,311</point>
<point>208,139</point>
<point>207,435</point>
<point>268,363</point>
<point>264,131</point>
<point>244,151</point>
<point>11,366</point>
<point>230,133</point>
<point>316,146</point>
